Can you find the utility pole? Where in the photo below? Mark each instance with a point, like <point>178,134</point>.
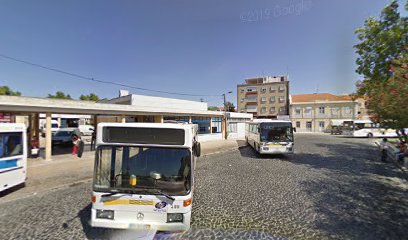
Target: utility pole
<point>225,100</point>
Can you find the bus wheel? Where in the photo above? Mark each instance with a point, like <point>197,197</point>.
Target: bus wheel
<point>370,135</point>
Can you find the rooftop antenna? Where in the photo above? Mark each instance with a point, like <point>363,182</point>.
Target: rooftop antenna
<point>317,89</point>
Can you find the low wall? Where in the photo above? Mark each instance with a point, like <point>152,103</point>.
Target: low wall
<point>209,137</point>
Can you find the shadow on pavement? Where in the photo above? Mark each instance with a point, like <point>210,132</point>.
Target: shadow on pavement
<point>12,189</point>
<point>248,152</point>
<point>359,198</point>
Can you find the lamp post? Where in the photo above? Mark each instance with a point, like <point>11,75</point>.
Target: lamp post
<point>225,101</point>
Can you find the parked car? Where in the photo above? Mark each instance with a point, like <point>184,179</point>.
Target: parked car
<point>86,130</point>
<point>63,136</point>
<point>336,130</point>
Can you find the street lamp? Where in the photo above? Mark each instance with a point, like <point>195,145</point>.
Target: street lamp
<point>225,101</point>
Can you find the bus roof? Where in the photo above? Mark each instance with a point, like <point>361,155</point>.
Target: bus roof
<point>149,125</point>
<point>268,120</point>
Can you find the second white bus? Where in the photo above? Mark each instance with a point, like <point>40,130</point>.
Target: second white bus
<point>268,136</point>
<point>366,128</point>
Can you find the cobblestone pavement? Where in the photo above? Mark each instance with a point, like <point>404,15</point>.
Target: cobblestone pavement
<point>332,188</point>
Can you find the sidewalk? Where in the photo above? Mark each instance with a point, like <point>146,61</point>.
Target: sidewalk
<point>66,169</point>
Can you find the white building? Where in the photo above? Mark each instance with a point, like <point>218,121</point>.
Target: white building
<point>236,124</point>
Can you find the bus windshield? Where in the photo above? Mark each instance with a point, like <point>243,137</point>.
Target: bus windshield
<point>139,169</point>
<point>276,132</point>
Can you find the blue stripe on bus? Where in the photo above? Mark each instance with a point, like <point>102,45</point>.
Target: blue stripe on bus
<point>8,163</point>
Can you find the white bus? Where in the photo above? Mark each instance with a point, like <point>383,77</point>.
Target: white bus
<point>366,128</point>
<point>144,176</point>
<point>13,155</point>
<point>268,136</point>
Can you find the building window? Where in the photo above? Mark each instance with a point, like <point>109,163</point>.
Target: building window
<point>263,100</point>
<point>263,110</point>
<point>251,89</point>
<point>298,124</point>
<point>272,99</point>
<point>298,111</point>
<point>184,119</point>
<point>272,109</point>
<point>232,127</point>
<point>242,90</point>
<point>272,89</point>
<point>216,124</point>
<point>203,124</point>
<point>282,110</point>
<point>263,90</point>
<point>281,88</point>
<point>282,99</point>
<point>321,124</point>
<point>335,110</point>
<point>308,111</point>
<point>321,110</point>
<point>347,110</point>
<point>309,126</point>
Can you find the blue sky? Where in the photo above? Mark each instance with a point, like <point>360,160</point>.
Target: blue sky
<point>197,47</point>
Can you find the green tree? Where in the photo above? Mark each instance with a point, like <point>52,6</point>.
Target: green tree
<point>5,90</point>
<point>382,59</point>
<point>59,95</point>
<point>91,97</point>
<point>229,107</point>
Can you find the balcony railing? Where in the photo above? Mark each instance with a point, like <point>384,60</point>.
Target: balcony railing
<point>251,110</point>
<point>251,99</point>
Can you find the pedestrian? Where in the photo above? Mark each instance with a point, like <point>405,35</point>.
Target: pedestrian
<point>403,151</point>
<point>383,149</point>
<point>93,138</point>
<point>75,142</point>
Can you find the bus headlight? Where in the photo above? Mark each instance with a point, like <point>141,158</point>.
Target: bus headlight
<point>174,217</point>
<point>105,214</point>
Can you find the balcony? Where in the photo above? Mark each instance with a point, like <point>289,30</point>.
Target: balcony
<point>251,93</point>
<point>252,109</point>
<point>251,100</point>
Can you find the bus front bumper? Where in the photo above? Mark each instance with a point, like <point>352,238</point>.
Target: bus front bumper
<point>145,225</point>
<point>276,150</point>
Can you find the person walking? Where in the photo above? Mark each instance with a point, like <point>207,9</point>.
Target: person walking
<point>383,149</point>
<point>403,151</point>
<point>93,138</point>
<point>75,142</point>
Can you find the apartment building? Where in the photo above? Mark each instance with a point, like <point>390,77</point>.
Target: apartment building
<point>264,97</point>
<point>318,112</point>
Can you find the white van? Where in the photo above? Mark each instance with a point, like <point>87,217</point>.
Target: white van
<point>86,130</point>
<point>54,127</point>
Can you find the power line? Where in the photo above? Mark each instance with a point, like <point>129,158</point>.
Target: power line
<point>100,81</point>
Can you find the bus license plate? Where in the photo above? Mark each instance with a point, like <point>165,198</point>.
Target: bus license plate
<point>139,226</point>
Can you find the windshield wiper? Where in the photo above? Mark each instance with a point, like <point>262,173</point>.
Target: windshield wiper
<point>164,194</point>
<point>159,192</point>
<point>134,191</point>
<point>110,194</point>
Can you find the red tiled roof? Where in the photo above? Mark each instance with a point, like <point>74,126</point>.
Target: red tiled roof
<point>319,97</point>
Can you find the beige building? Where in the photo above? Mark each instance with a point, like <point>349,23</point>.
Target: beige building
<point>318,112</point>
<point>264,97</point>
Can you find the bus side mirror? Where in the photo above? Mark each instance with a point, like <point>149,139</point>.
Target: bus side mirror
<point>197,149</point>
<point>294,129</point>
<point>259,130</point>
